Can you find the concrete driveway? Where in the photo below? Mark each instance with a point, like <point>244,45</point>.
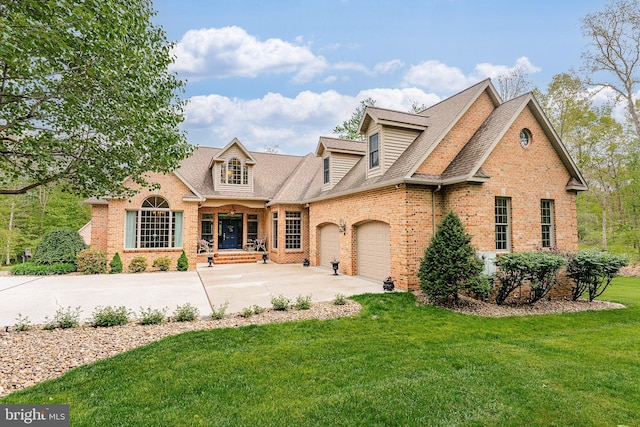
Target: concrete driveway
<point>241,285</point>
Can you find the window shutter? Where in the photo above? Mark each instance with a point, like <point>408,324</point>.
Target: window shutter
<point>130,229</point>
<point>177,218</point>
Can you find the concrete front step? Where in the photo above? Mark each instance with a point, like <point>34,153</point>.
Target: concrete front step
<point>240,257</point>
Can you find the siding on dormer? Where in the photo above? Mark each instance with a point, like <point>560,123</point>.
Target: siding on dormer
<point>229,154</point>
<point>396,141</point>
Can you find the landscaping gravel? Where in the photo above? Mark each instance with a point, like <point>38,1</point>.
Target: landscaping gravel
<point>36,355</point>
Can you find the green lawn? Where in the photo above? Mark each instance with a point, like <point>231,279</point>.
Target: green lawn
<point>395,364</point>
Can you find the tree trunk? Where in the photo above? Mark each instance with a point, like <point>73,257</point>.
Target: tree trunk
<point>13,208</point>
<point>604,222</point>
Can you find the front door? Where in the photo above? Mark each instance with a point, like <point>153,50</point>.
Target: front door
<point>230,231</point>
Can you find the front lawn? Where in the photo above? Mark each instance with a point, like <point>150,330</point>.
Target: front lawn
<point>397,363</point>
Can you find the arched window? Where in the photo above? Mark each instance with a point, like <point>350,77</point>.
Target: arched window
<point>154,225</point>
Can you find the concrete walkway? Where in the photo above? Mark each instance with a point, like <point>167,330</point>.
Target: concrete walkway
<point>241,285</point>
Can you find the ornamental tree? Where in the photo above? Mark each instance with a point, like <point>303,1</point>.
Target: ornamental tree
<point>449,263</point>
<point>86,97</point>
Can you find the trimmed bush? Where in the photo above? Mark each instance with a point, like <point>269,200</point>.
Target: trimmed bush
<point>183,262</point>
<point>152,316</point>
<point>59,246</point>
<point>186,313</point>
<point>218,313</point>
<point>115,264</point>
<point>538,269</point>
<point>246,312</point>
<point>33,269</point>
<point>339,300</point>
<point>92,261</point>
<point>110,316</point>
<point>280,303</point>
<point>592,272</point>
<point>302,302</point>
<point>22,323</point>
<point>63,319</point>
<point>163,263</point>
<point>449,263</point>
<point>138,264</point>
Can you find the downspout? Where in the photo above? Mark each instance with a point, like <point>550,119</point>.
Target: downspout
<point>433,208</point>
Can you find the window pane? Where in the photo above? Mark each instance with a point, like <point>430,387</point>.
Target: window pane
<point>374,154</point>
<point>235,171</point>
<point>546,220</point>
<point>130,227</point>
<point>502,223</point>
<point>177,230</point>
<point>275,230</point>
<point>326,170</point>
<point>293,230</point>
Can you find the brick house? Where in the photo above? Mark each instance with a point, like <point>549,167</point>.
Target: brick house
<point>373,204</point>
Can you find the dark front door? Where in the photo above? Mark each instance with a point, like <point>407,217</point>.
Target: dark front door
<point>230,231</point>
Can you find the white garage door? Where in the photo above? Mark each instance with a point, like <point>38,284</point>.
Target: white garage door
<point>329,245</point>
<point>373,250</point>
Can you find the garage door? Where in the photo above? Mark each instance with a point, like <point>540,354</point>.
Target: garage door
<point>329,245</point>
<point>373,250</point>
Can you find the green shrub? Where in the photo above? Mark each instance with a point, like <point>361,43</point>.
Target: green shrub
<point>63,319</point>
<point>480,286</point>
<point>110,316</point>
<point>22,323</point>
<point>186,313</point>
<point>183,262</point>
<point>592,272</point>
<point>246,312</point>
<point>449,263</point>
<point>280,303</point>
<point>92,261</point>
<point>33,269</point>
<point>219,312</point>
<point>59,246</point>
<point>302,302</point>
<point>163,263</point>
<point>138,264</point>
<point>152,316</point>
<point>339,300</point>
<point>257,309</point>
<point>115,264</point>
<point>538,269</point>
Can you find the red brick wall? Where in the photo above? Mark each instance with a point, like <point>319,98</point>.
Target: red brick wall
<point>526,175</point>
<point>282,255</point>
<point>99,219</point>
<point>407,210</point>
<point>173,190</point>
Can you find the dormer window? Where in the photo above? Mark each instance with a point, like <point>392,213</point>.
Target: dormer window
<point>374,151</point>
<point>234,172</point>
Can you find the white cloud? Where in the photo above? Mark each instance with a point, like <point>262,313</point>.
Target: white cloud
<point>293,124</point>
<point>231,51</point>
<point>388,67</point>
<point>436,76</point>
<point>442,78</point>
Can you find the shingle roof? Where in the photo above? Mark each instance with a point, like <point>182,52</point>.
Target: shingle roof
<point>270,173</point>
<point>295,179</point>
<point>341,145</point>
<point>392,116</point>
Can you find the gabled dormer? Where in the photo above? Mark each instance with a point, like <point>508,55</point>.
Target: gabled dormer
<point>232,168</point>
<point>388,133</point>
<point>338,157</point>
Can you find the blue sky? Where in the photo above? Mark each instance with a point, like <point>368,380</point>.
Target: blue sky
<point>283,72</point>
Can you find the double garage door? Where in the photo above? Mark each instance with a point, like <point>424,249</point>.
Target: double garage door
<point>373,248</point>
